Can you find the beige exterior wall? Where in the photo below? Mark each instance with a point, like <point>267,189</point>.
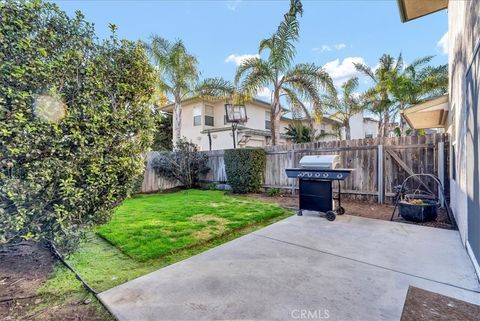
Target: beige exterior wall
<point>463,37</point>
<point>221,133</point>
<point>328,128</point>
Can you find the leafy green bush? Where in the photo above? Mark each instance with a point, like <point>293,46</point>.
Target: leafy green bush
<point>274,191</point>
<point>184,164</point>
<point>244,168</point>
<point>163,131</point>
<point>74,122</point>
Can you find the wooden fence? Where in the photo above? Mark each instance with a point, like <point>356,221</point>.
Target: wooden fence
<point>380,164</point>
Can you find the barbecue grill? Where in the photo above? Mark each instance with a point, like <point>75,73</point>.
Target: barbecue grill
<point>316,174</point>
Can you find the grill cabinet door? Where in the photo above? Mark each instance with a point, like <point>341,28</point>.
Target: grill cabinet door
<point>316,195</point>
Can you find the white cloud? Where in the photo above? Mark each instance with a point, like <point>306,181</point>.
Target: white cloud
<point>340,71</point>
<point>323,48</point>
<point>238,59</point>
<point>233,4</point>
<point>265,94</point>
<point>443,43</point>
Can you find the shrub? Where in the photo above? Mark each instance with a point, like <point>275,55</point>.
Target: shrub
<point>185,163</point>
<point>74,122</point>
<point>244,168</point>
<point>163,131</point>
<point>274,191</point>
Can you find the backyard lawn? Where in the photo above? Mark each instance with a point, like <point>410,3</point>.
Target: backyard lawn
<point>148,232</point>
<point>149,226</point>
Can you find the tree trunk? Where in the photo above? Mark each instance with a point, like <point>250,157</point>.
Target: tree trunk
<point>275,119</point>
<point>347,132</point>
<point>402,121</point>
<point>177,121</point>
<point>386,122</point>
<point>380,126</point>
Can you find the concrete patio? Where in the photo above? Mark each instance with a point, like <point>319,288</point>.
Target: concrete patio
<point>304,267</point>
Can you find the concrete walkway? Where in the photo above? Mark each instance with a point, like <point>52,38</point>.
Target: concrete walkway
<point>304,268</point>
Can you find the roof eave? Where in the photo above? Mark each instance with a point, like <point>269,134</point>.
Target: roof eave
<point>403,11</point>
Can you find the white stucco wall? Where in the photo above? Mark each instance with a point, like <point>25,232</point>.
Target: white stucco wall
<point>356,126</point>
<point>221,133</point>
<point>370,127</point>
<point>360,127</point>
<point>463,36</point>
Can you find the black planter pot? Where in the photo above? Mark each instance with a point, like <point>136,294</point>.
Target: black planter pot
<point>419,213</point>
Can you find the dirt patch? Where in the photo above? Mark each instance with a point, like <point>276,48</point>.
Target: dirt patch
<point>210,230</point>
<point>217,204</point>
<point>24,268</point>
<point>422,305</point>
<point>358,208</point>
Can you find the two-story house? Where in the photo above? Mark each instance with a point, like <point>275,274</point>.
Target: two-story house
<point>204,123</point>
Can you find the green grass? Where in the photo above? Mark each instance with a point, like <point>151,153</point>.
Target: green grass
<point>104,266</point>
<point>149,226</point>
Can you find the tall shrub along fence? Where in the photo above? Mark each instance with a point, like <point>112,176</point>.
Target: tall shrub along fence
<point>245,169</point>
<point>379,165</point>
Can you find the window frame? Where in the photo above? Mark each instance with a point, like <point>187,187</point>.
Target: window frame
<point>210,116</point>
<point>268,120</point>
<point>197,116</point>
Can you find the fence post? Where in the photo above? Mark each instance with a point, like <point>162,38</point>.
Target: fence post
<point>380,183</point>
<point>291,156</point>
<point>441,169</point>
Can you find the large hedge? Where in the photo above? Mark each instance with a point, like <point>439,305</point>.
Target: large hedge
<point>74,122</point>
<point>244,168</point>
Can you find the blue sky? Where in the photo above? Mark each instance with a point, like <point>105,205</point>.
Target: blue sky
<point>333,33</point>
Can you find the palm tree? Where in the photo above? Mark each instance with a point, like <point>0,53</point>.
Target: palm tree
<point>380,97</point>
<point>344,106</point>
<point>299,133</point>
<point>416,83</point>
<point>177,74</point>
<point>372,101</point>
<point>293,83</point>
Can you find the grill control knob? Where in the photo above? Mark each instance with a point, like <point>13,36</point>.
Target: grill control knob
<point>339,175</point>
<point>309,174</point>
<point>300,175</point>
<point>317,174</point>
<point>325,175</point>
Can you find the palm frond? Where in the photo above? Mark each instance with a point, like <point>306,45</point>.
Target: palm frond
<point>366,70</point>
<point>215,87</point>
<point>399,63</point>
<point>252,75</point>
<point>177,69</point>
<point>350,86</point>
<point>308,80</point>
<point>419,62</point>
<point>266,43</point>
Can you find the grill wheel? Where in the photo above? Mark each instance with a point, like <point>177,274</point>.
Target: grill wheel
<point>331,216</point>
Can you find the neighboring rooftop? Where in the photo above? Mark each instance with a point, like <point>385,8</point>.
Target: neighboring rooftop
<point>256,101</point>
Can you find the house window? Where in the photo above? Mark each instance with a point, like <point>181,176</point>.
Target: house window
<point>268,123</point>
<point>209,119</point>
<point>197,116</point>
